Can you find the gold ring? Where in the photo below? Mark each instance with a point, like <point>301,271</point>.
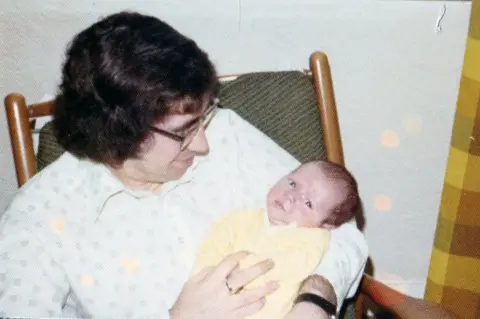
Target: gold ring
<point>230,289</point>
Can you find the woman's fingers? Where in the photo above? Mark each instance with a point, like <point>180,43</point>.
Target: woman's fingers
<point>227,265</point>
<point>252,300</point>
<point>249,309</point>
<point>239,278</point>
<point>253,295</point>
<point>208,293</point>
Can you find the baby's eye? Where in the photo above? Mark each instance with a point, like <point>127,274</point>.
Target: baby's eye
<point>308,204</point>
<point>292,183</point>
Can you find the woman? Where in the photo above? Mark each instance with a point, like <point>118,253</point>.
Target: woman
<point>110,229</point>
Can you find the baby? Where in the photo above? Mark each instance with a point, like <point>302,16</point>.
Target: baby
<point>293,231</point>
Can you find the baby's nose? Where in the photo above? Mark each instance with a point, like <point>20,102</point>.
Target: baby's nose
<point>290,200</point>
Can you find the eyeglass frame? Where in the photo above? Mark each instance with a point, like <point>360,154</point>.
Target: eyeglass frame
<point>203,121</point>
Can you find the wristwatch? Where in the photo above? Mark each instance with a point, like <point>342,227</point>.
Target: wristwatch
<point>323,303</point>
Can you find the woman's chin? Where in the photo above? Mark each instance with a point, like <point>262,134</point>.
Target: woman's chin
<point>177,169</point>
<point>277,222</point>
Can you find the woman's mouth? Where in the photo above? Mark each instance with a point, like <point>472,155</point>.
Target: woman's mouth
<point>187,161</point>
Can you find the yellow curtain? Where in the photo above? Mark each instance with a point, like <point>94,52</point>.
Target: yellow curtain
<point>454,274</point>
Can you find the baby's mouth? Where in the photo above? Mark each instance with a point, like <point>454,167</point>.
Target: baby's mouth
<point>279,205</point>
<point>276,221</point>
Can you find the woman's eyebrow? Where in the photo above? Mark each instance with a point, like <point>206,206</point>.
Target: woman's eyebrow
<point>186,125</point>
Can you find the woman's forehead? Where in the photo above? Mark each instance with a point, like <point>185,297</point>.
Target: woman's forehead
<point>181,120</point>
<point>185,111</point>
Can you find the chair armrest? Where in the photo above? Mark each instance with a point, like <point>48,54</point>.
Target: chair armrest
<point>399,304</point>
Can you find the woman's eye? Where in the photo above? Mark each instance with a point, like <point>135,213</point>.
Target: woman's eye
<point>292,184</point>
<point>308,204</point>
<point>188,131</point>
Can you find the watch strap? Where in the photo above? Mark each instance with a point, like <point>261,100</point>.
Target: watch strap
<point>321,302</point>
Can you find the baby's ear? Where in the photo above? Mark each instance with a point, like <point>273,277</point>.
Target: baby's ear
<point>327,225</point>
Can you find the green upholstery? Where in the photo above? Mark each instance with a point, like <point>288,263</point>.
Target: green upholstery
<point>48,148</point>
<point>280,104</point>
<point>283,106</point>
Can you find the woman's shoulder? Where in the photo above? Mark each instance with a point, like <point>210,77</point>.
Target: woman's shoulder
<point>46,193</point>
<point>63,168</point>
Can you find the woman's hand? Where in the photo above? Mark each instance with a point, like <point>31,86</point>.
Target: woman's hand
<point>210,294</point>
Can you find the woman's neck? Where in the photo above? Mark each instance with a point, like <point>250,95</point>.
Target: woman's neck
<point>134,180</point>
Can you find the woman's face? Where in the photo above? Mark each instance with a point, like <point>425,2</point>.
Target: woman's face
<point>161,158</point>
<point>164,157</point>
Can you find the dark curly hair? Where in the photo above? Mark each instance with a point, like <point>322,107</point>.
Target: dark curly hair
<point>121,75</point>
<point>349,206</point>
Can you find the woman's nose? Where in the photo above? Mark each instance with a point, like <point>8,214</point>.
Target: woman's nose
<point>199,143</point>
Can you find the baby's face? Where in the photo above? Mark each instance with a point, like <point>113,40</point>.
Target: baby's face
<point>304,196</point>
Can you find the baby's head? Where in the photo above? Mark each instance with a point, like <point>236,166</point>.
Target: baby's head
<point>316,194</point>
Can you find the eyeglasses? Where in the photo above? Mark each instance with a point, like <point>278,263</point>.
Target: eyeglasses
<point>187,138</point>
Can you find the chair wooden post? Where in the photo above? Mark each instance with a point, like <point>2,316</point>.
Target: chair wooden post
<point>328,111</point>
<point>322,77</point>
<point>20,137</point>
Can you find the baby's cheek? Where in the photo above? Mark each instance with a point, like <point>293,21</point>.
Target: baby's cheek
<point>284,216</point>
<point>270,197</point>
<point>273,193</point>
<point>303,218</point>
<point>288,216</point>
<point>274,213</point>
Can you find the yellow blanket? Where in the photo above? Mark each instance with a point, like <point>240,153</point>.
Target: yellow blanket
<point>295,251</point>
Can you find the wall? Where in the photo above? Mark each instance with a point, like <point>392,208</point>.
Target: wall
<point>396,82</point>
